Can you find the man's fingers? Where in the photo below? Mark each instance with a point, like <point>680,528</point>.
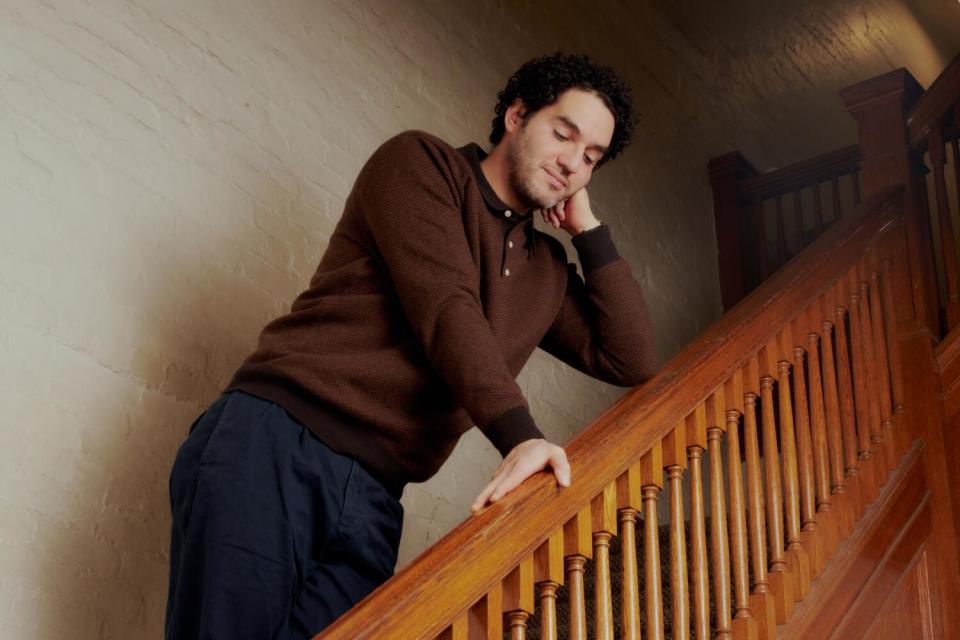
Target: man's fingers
<point>484,496</point>
<point>509,482</point>
<point>523,469</point>
<point>487,492</point>
<point>520,465</point>
<point>561,467</point>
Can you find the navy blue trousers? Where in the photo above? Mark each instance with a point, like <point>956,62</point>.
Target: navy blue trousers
<point>274,534</point>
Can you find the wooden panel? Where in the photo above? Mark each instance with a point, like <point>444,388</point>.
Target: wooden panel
<point>837,589</point>
<point>908,611</point>
<point>870,603</point>
<point>948,364</point>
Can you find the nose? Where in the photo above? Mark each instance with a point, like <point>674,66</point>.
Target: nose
<point>570,160</point>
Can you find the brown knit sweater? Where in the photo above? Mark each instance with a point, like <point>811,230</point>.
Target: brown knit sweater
<point>430,298</point>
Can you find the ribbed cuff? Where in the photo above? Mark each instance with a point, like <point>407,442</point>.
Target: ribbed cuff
<point>595,248</point>
<point>512,428</point>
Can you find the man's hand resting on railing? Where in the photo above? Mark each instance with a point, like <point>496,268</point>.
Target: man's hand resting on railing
<point>524,460</point>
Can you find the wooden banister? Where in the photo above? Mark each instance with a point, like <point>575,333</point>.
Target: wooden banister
<point>800,174</point>
<point>762,218</point>
<point>937,102</point>
<point>493,556</point>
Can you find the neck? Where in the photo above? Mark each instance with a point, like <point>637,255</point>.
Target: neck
<point>496,169</point>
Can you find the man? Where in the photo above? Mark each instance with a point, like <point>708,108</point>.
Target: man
<point>433,292</point>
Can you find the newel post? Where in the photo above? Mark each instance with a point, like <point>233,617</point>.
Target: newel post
<point>725,171</point>
<point>880,107</point>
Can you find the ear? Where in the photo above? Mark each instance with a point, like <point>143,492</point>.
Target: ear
<point>513,118</point>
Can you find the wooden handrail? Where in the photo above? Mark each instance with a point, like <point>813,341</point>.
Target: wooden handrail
<point>800,174</point>
<point>427,596</point>
<point>936,103</point>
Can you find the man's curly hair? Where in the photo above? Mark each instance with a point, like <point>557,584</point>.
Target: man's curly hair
<point>541,81</point>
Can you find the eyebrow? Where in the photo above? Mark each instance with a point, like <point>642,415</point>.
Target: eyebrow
<point>570,123</point>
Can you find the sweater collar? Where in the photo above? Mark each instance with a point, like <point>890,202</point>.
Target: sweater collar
<point>473,155</point>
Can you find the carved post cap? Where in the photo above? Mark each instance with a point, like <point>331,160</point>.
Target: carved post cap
<point>897,85</point>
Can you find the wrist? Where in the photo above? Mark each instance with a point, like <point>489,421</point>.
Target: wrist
<point>593,223</point>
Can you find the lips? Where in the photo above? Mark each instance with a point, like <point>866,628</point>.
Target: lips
<point>555,180</point>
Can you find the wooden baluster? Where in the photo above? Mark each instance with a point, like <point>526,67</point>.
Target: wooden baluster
<point>881,364</point>
<point>848,425</point>
<point>485,619</point>
<point>518,597</point>
<point>956,149</point>
<point>517,624</point>
<point>838,485</point>
<point>826,528</point>
<point>779,584</point>
<point>699,582</point>
<point>548,576</point>
<point>674,461</point>
<point>835,187</point>
<point>855,177</point>
<point>762,237</point>
<point>782,252</point>
<point>629,503</point>
<point>762,605</point>
<point>882,465</point>
<point>947,243</point>
<point>798,220</point>
<point>744,623</point>
<point>798,561</point>
<point>896,365</point>
<point>547,594</point>
<point>932,299</point>
<point>459,630</point>
<point>577,548</point>
<point>808,497</point>
<point>651,477</point>
<point>604,510</point>
<point>861,403</point>
<point>817,209</point>
<point>719,548</point>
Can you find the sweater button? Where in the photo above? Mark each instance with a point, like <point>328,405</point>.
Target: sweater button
<point>508,213</point>
<point>506,272</point>
<point>510,244</point>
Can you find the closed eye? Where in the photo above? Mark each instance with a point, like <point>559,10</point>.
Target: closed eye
<point>559,136</point>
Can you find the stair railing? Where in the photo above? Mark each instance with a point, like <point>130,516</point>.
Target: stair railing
<point>764,219</point>
<point>908,137</point>
<point>801,381</point>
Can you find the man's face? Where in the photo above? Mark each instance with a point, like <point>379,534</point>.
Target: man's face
<point>552,154</point>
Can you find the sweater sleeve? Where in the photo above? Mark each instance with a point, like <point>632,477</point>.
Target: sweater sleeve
<point>603,327</point>
<point>412,208</point>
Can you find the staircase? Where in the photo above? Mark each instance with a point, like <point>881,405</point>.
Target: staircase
<point>800,453</point>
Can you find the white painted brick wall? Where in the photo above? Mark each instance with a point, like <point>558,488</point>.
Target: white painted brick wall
<point>170,173</point>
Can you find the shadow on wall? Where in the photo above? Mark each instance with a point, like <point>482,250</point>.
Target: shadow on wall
<point>200,315</point>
